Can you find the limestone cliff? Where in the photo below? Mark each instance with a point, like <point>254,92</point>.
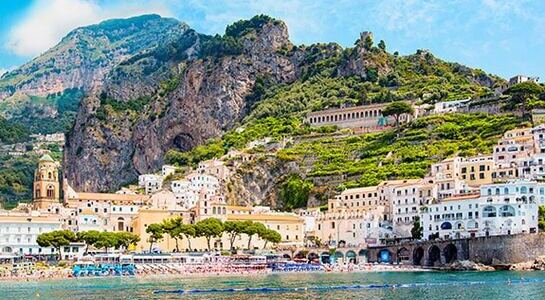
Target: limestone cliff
<point>207,98</point>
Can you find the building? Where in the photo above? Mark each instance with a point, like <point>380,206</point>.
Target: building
<point>517,144</point>
<point>147,216</point>
<point>357,199</point>
<point>498,209</point>
<point>342,227</point>
<point>214,167</point>
<point>522,78</point>
<point>477,170</point>
<point>19,231</point>
<point>46,187</point>
<point>450,106</point>
<point>151,183</point>
<point>167,170</point>
<point>357,117</point>
<point>406,202</point>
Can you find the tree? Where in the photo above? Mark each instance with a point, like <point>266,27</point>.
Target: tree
<point>173,227</point>
<point>417,230</point>
<point>251,228</point>
<point>56,239</point>
<point>106,240</point>
<point>368,43</point>
<point>541,218</point>
<point>125,239</point>
<point>209,228</point>
<point>523,92</point>
<point>89,237</point>
<point>233,230</point>
<point>270,235</point>
<point>294,192</point>
<point>188,230</point>
<point>155,232</point>
<point>396,109</point>
<point>382,45</point>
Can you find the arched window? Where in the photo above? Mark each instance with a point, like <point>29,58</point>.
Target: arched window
<point>506,190</point>
<point>507,211</point>
<point>446,226</point>
<point>542,191</point>
<point>489,212</point>
<point>49,175</point>
<point>489,192</point>
<point>523,190</point>
<point>497,191</point>
<point>471,224</point>
<point>50,191</point>
<point>37,193</point>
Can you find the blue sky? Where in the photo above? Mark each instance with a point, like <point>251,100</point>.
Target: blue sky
<point>501,37</point>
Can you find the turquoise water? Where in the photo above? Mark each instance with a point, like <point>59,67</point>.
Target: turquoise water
<point>413,285</point>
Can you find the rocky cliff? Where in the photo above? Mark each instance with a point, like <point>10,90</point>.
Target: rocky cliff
<point>141,86</point>
<point>205,97</point>
<point>81,61</point>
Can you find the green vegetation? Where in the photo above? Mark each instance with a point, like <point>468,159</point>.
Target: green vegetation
<point>417,230</point>
<point>294,192</point>
<point>371,158</point>
<point>12,133</point>
<point>541,218</point>
<point>397,109</point>
<point>526,95</point>
<point>244,27</point>
<point>34,113</point>
<point>173,227</point>
<point>111,107</point>
<point>56,239</point>
<point>16,178</point>
<point>155,232</point>
<point>99,240</point>
<point>211,228</point>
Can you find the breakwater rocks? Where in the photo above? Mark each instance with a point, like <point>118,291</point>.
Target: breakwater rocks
<point>535,265</point>
<point>467,265</point>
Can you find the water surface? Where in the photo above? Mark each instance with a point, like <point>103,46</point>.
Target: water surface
<point>408,285</point>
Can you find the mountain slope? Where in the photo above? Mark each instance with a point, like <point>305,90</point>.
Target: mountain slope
<point>148,85</point>
<point>80,61</point>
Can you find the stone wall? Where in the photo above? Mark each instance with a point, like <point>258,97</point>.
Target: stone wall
<point>507,249</point>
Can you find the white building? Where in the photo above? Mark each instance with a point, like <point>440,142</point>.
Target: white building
<point>19,231</point>
<point>406,201</point>
<point>150,182</point>
<point>208,182</point>
<point>214,167</point>
<point>500,209</point>
<point>522,78</point>
<point>167,170</point>
<point>449,106</point>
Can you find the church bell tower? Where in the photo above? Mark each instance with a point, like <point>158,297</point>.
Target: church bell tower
<point>46,189</point>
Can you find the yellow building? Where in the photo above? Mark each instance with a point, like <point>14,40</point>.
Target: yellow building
<point>46,189</point>
<point>477,170</point>
<point>289,226</point>
<point>147,216</point>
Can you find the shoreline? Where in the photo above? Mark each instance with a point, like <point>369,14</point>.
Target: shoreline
<point>68,276</point>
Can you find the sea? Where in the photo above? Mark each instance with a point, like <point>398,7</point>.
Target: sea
<point>372,285</point>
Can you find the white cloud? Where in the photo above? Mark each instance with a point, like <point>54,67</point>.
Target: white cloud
<point>47,21</point>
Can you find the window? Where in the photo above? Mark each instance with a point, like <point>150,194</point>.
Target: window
<point>507,211</point>
<point>489,212</point>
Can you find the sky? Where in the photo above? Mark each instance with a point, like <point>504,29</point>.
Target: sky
<point>499,36</point>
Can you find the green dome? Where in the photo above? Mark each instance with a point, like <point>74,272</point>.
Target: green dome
<point>46,157</point>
